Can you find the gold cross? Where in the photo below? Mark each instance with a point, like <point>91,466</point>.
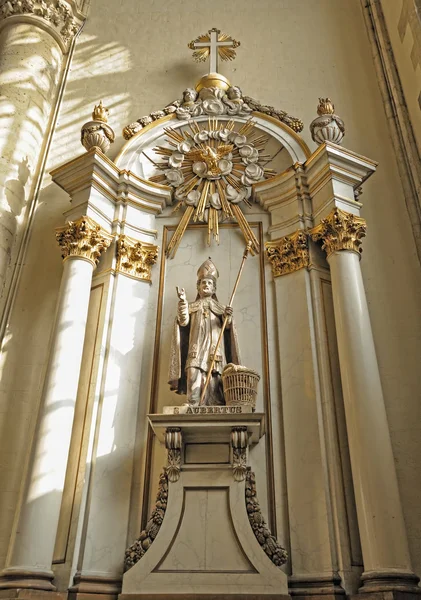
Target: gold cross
<point>213,43</point>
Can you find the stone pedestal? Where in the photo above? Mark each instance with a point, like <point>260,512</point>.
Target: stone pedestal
<point>206,535</point>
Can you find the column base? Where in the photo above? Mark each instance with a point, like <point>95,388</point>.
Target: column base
<point>389,581</point>
<point>201,596</point>
<point>25,579</point>
<point>94,587</point>
<point>30,594</point>
<point>302,587</point>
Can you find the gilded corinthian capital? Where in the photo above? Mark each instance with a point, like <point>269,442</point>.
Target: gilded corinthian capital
<point>288,254</point>
<point>83,238</point>
<point>340,231</point>
<point>135,258</point>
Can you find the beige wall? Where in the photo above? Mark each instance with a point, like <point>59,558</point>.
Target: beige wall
<point>134,57</point>
<point>404,28</point>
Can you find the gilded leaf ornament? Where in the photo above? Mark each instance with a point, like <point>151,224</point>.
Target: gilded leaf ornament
<point>135,258</point>
<point>212,168</point>
<point>83,238</point>
<point>288,254</point>
<point>340,230</point>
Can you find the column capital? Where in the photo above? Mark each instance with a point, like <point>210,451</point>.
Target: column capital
<point>135,258</point>
<point>83,238</point>
<point>61,18</point>
<point>340,230</point>
<point>289,253</point>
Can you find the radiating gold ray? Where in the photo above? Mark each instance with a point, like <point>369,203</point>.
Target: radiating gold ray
<point>179,232</point>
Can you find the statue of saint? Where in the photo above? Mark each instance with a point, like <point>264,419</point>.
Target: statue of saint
<point>196,332</point>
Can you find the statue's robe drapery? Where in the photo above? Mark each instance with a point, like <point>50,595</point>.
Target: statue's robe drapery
<point>196,331</point>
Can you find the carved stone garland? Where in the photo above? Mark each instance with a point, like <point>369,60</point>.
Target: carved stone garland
<point>288,254</point>
<point>135,258</point>
<point>135,552</point>
<point>340,231</point>
<point>83,238</point>
<point>59,14</point>
<point>214,102</point>
<point>268,542</point>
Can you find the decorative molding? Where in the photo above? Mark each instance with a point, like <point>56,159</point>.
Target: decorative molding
<point>289,253</point>
<point>135,258</point>
<point>83,238</point>
<point>398,119</point>
<point>213,101</point>
<point>173,443</point>
<point>135,552</point>
<point>340,231</point>
<point>239,443</point>
<point>61,16</point>
<point>268,542</point>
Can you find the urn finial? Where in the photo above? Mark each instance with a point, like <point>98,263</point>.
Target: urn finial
<point>96,133</point>
<point>327,127</point>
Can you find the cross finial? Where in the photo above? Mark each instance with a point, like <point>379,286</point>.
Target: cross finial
<point>215,44</point>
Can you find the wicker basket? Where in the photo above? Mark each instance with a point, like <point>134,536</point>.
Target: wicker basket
<point>240,385</point>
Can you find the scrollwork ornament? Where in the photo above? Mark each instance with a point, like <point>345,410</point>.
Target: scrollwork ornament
<point>173,443</point>
<point>340,230</point>
<point>288,254</point>
<point>135,552</point>
<point>135,258</point>
<point>239,443</point>
<point>277,554</point>
<point>83,238</point>
<point>59,14</point>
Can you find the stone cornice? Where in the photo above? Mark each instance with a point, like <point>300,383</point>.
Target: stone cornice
<point>288,254</point>
<point>95,170</point>
<point>135,258</point>
<point>340,230</point>
<point>84,239</point>
<point>61,18</point>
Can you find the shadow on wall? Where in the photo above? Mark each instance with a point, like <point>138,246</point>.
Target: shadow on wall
<point>108,66</point>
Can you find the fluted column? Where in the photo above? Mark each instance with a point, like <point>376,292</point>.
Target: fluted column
<point>387,564</point>
<point>31,552</point>
<point>35,40</point>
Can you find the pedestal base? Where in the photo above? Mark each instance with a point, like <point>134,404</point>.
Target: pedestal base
<point>29,594</point>
<point>308,588</point>
<point>207,537</point>
<point>90,587</point>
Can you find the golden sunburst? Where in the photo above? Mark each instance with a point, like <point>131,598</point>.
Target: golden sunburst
<point>212,169</point>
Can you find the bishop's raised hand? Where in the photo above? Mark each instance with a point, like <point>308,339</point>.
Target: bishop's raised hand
<point>181,293</point>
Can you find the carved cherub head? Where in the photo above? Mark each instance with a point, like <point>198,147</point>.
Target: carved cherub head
<point>234,93</point>
<point>189,96</point>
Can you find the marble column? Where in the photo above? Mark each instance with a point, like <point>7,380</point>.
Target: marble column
<point>99,559</point>
<point>35,44</point>
<point>32,546</point>
<point>387,565</point>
